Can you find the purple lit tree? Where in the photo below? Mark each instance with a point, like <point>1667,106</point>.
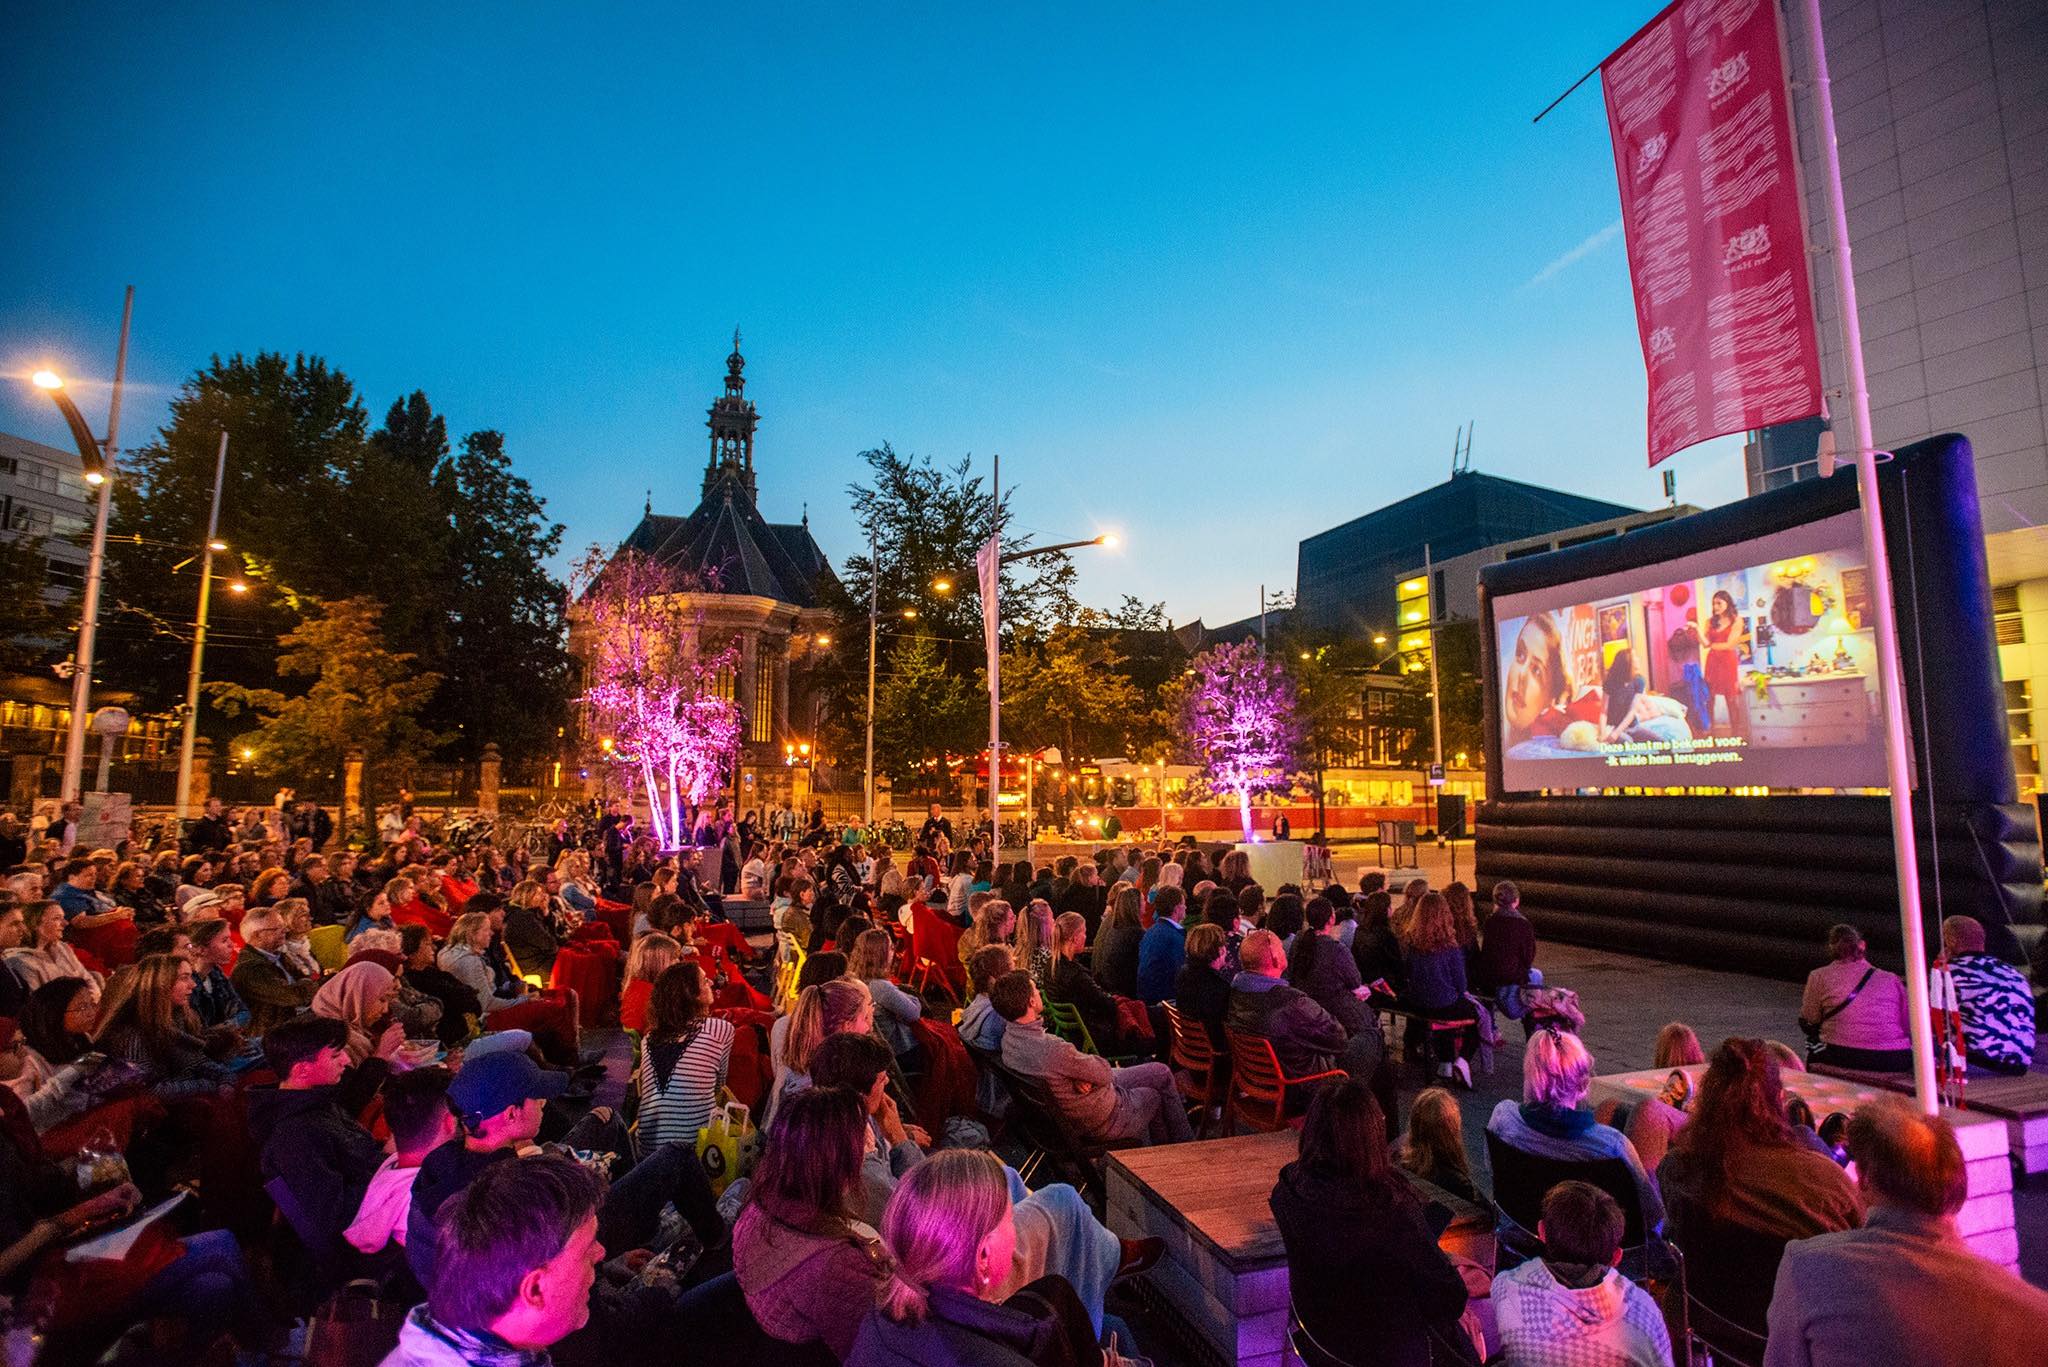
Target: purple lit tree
<point>653,688</point>
<point>1241,720</point>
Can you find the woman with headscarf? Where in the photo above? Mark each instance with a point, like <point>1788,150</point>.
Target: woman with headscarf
<point>359,996</point>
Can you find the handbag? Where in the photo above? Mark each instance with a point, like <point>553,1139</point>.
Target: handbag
<point>353,1328</point>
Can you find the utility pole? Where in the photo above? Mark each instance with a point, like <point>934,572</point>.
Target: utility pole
<point>185,748</point>
<point>89,613</point>
<point>874,603</point>
<point>995,684</point>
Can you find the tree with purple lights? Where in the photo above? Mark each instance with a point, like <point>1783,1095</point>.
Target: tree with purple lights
<point>653,688</point>
<point>1241,720</point>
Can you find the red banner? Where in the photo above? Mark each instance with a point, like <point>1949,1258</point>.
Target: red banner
<point>1709,172</point>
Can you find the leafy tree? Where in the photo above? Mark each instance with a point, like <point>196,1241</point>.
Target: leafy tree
<point>363,695</point>
<point>1070,690</point>
<point>33,621</point>
<point>923,712</point>
<point>319,507</point>
<point>1241,717</point>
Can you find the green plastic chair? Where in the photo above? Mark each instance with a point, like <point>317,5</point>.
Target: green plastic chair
<point>330,947</point>
<point>1065,1020</point>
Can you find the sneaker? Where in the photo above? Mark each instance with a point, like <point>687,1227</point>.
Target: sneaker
<point>1464,1072</point>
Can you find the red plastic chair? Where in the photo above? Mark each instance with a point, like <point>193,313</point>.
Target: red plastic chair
<point>1258,1086</point>
<point>935,953</point>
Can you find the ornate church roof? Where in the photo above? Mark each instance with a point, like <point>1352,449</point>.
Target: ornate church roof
<point>726,541</point>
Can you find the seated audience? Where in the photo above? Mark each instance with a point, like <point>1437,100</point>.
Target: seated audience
<point>809,1266</point>
<point>650,955</point>
<point>360,998</point>
<point>872,956</point>
<point>59,1018</point>
<point>1373,946</point>
<point>821,1011</point>
<point>1903,1288</point>
<point>463,958</point>
<point>305,1127</point>
<point>1434,969</point>
<point>266,981</point>
<point>1202,991</point>
<point>1163,949</point>
<point>951,1236</point>
<point>1074,985</point>
<point>1037,942</point>
<point>1102,1102</point>
<point>521,1246</point>
<point>416,1112</point>
<point>1656,1119</point>
<point>1996,1005</point>
<point>1552,1120</point>
<point>214,999</point>
<point>1856,1010</point>
<point>46,956</point>
<point>1367,1278</point>
<point>684,1058</point>
<point>1118,942</point>
<point>1571,1307</point>
<point>1736,1160</point>
<point>154,1030</point>
<point>1319,966</point>
<point>1306,1039</point>
<point>1434,1146</point>
<point>1507,950</point>
<point>981,1025</point>
<point>529,938</point>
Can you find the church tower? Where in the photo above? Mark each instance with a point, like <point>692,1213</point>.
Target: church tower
<point>732,421</point>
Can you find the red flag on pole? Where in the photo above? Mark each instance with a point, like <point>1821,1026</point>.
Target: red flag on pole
<point>1710,206</point>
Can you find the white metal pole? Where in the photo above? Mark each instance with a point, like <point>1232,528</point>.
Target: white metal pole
<point>874,600</point>
<point>1898,753</point>
<point>191,738</point>
<point>1436,702</point>
<point>89,612</point>
<point>995,682</point>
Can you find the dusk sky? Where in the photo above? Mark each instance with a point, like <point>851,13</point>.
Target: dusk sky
<point>1216,278</point>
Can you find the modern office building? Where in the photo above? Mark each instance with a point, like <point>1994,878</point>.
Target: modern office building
<point>1345,577</point>
<point>1941,112</point>
<point>42,494</point>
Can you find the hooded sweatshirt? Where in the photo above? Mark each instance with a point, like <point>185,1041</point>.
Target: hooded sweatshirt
<point>807,1285</point>
<point>1546,1323</point>
<point>326,1160</point>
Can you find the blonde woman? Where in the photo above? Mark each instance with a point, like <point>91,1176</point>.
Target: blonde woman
<point>1116,943</point>
<point>1433,969</point>
<point>649,955</point>
<point>1038,942</point>
<point>147,1020</point>
<point>822,1010</point>
<point>1552,1120</point>
<point>1434,1146</point>
<point>463,959</point>
<point>994,924</point>
<point>874,952</point>
<point>951,1233</point>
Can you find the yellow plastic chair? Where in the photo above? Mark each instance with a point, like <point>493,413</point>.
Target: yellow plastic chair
<point>330,947</point>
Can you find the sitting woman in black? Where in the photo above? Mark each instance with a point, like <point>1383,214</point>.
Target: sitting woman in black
<point>1369,1282</point>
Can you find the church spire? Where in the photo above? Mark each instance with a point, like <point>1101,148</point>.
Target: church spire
<point>732,421</point>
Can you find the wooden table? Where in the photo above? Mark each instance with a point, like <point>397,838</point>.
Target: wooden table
<point>1224,1271</point>
<point>1986,1220</point>
<point>2021,1102</point>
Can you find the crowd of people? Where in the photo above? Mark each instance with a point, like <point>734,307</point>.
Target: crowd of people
<point>497,1084</point>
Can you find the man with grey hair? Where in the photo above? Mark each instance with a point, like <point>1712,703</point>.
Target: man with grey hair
<point>1903,1288</point>
<point>264,978</point>
<point>1993,998</point>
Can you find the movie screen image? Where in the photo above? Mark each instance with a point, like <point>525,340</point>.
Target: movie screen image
<point>1751,665</point>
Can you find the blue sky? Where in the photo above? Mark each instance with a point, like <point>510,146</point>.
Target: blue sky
<point>1215,277</point>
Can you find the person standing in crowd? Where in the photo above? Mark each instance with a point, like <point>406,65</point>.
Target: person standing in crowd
<point>1996,1005</point>
<point>1571,1307</point>
<point>1904,1286</point>
<point>1855,1010</point>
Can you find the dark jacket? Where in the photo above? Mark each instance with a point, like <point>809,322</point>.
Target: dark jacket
<point>1436,980</point>
<point>1075,985</point>
<point>1330,976</point>
<point>1160,955</point>
<point>273,992</point>
<point>310,1139</point>
<point>1087,903</point>
<point>207,834</point>
<point>329,902</point>
<point>531,942</point>
<point>1507,951</point>
<point>1378,956</point>
<point>1116,959</point>
<point>215,1001</point>
<point>1306,1038</point>
<point>458,1002</point>
<point>1367,1276</point>
<point>1035,1326</point>
<point>1203,994</point>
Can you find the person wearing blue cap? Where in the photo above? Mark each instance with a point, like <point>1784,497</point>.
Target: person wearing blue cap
<point>498,1099</point>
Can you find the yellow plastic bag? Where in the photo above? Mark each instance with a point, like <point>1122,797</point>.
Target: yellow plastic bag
<point>728,1143</point>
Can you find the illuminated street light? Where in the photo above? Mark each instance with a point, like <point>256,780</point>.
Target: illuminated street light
<point>216,545</point>
<point>238,586</point>
<point>942,586</point>
<point>910,614</point>
<point>1379,638</point>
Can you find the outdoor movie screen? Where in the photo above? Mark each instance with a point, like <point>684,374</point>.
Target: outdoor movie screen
<point>1753,664</point>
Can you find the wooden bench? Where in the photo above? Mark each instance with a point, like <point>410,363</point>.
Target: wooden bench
<point>2021,1102</point>
<point>1224,1272</point>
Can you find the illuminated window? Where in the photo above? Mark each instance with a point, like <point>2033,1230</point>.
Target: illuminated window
<point>762,726</point>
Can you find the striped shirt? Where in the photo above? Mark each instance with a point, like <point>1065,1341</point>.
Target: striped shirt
<point>1998,1011</point>
<point>679,1082</point>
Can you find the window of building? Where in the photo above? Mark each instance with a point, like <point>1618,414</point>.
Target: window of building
<point>761,725</point>
<point>2011,627</point>
<point>2019,710</point>
<point>62,574</point>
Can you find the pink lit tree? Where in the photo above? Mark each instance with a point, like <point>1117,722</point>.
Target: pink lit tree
<point>1241,719</point>
<point>652,685</point>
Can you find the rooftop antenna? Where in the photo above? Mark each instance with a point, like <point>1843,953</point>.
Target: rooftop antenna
<point>1461,450</point>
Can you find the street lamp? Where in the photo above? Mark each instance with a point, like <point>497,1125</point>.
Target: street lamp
<point>98,459</point>
<point>213,544</point>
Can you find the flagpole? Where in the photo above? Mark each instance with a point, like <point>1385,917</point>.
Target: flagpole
<point>1897,752</point>
<point>989,610</point>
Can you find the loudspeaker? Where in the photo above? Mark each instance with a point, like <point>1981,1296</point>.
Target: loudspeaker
<point>1450,815</point>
